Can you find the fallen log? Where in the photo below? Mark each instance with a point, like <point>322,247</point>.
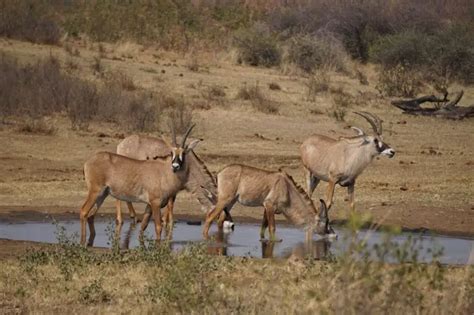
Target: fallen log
<point>443,107</point>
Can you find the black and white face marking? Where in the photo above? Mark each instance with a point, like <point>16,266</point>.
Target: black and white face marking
<point>383,148</point>
<point>177,160</point>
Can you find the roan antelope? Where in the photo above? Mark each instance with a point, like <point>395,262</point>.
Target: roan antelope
<point>145,148</point>
<point>275,191</point>
<point>152,182</point>
<point>342,161</point>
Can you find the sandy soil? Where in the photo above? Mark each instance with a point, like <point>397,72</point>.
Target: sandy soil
<point>429,184</point>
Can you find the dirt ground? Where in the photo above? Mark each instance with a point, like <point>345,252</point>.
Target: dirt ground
<point>429,184</point>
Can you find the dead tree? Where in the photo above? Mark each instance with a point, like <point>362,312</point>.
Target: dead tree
<point>443,107</point>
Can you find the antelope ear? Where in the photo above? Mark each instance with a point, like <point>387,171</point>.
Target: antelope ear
<point>192,145</point>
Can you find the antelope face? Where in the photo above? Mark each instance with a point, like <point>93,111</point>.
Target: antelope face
<point>177,159</point>
<point>383,148</point>
<point>323,227</point>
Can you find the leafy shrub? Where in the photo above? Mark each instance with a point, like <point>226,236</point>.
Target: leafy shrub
<point>448,53</point>
<point>37,126</point>
<point>94,293</point>
<point>314,52</point>
<point>257,47</point>
<point>453,53</point>
<point>408,47</point>
<point>180,115</point>
<point>83,105</point>
<point>401,80</point>
<point>274,86</point>
<point>28,20</point>
<point>142,113</point>
<point>257,99</point>
<point>317,83</point>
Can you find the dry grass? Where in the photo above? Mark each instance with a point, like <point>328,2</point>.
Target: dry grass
<point>151,278</point>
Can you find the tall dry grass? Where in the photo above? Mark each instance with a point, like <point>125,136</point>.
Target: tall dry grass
<point>385,278</point>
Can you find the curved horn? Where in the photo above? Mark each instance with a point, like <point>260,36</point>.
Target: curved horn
<point>373,120</point>
<point>359,131</point>
<point>185,137</point>
<point>378,121</point>
<point>173,134</point>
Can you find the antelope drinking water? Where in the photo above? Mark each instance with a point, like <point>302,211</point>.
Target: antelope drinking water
<point>275,191</point>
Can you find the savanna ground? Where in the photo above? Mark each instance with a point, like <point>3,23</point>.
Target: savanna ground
<point>253,115</point>
<point>427,185</point>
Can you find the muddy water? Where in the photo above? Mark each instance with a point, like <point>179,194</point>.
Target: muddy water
<point>244,241</point>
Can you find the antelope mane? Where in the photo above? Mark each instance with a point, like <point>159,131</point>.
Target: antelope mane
<point>200,177</point>
<point>301,210</point>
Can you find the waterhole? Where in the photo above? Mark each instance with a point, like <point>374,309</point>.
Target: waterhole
<point>245,240</point>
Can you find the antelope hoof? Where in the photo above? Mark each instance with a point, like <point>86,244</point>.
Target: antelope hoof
<point>275,240</point>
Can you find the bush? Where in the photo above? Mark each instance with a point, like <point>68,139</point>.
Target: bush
<point>314,52</point>
<point>448,53</point>
<point>28,20</point>
<point>257,47</point>
<point>408,47</point>
<point>401,80</point>
<point>257,99</point>
<point>37,126</point>
<point>84,104</point>
<point>180,115</point>
<point>317,83</point>
<point>453,53</point>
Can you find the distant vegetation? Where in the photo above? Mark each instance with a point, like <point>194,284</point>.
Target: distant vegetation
<point>429,36</point>
<point>30,92</point>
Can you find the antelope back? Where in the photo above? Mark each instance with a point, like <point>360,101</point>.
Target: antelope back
<point>143,147</point>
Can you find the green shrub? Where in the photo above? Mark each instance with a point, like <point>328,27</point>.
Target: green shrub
<point>29,20</point>
<point>314,52</point>
<point>453,53</point>
<point>257,47</point>
<point>257,99</point>
<point>408,47</point>
<point>400,80</point>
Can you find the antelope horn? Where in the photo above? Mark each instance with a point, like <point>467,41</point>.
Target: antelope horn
<point>373,120</point>
<point>378,121</point>
<point>185,137</point>
<point>360,132</point>
<point>173,134</point>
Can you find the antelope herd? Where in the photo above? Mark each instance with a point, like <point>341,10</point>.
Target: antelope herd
<point>152,171</point>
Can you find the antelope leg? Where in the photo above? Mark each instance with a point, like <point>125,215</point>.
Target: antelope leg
<point>84,213</point>
<point>270,213</point>
<point>131,212</point>
<point>90,221</point>
<point>264,225</point>
<point>330,193</point>
<point>350,192</point>
<point>312,182</point>
<point>156,212</point>
<point>145,221</point>
<point>169,220</point>
<point>214,213</point>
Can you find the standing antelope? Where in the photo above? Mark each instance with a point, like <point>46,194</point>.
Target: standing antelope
<point>151,182</point>
<point>200,179</point>
<point>275,191</point>
<point>342,161</point>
